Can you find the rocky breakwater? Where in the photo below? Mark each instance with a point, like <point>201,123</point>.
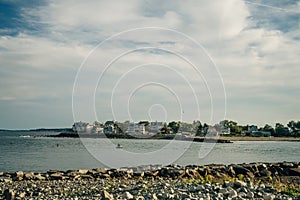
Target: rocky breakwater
<point>265,181</point>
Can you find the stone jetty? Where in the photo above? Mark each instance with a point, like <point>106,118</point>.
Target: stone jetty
<point>266,181</point>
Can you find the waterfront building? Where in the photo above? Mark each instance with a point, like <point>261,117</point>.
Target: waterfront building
<point>136,128</point>
<point>156,126</point>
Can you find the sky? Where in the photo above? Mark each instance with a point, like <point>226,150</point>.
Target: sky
<point>63,61</point>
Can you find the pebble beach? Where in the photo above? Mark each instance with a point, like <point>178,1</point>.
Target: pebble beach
<point>265,181</point>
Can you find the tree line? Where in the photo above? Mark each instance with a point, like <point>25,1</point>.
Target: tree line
<point>292,128</point>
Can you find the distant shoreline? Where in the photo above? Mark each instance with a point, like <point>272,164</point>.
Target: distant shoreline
<point>67,132</point>
<point>141,137</point>
<point>248,138</point>
<point>221,139</point>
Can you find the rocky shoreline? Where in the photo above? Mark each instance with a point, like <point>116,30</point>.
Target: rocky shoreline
<point>244,181</point>
<point>141,137</point>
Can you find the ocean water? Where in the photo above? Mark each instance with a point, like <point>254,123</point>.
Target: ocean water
<point>18,151</point>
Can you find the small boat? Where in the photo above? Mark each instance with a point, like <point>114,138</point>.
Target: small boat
<point>25,136</point>
<point>119,146</point>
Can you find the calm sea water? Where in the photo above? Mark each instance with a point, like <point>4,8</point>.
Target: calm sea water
<point>41,153</point>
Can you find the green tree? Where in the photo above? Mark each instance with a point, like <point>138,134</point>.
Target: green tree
<point>270,129</point>
<point>199,130</point>
<point>174,126</point>
<point>234,128</point>
<point>205,128</point>
<point>165,129</point>
<point>280,130</point>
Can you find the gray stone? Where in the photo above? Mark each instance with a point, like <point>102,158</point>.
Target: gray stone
<point>223,191</point>
<point>232,194</point>
<point>200,187</point>
<point>269,196</point>
<point>184,195</point>
<point>250,195</point>
<point>265,173</point>
<point>242,194</point>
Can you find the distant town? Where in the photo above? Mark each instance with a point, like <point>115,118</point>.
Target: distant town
<point>223,128</point>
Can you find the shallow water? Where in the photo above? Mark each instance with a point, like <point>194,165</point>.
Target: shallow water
<point>42,154</point>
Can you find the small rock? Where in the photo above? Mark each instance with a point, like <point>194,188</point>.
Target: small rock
<point>184,195</point>
<point>269,196</point>
<point>127,195</point>
<point>228,184</point>
<point>5,180</point>
<point>29,175</point>
<point>106,196</point>
<point>22,195</point>
<point>250,195</point>
<point>200,187</point>
<point>232,194</point>
<point>154,197</point>
<point>83,171</point>
<point>223,191</point>
<point>262,186</point>
<point>239,184</point>
<point>39,177</point>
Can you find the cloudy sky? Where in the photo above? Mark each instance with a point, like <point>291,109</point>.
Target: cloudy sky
<point>62,61</point>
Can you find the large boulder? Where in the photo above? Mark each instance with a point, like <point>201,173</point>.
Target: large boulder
<point>242,170</point>
<point>57,176</point>
<point>29,175</point>
<point>18,176</point>
<point>83,171</point>
<point>294,172</point>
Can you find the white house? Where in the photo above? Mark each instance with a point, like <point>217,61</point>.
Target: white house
<point>136,128</point>
<point>83,127</point>
<point>80,127</point>
<point>222,129</point>
<point>156,126</point>
<point>97,130</point>
<point>252,128</point>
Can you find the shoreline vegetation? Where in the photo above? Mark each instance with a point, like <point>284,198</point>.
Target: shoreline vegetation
<point>235,181</point>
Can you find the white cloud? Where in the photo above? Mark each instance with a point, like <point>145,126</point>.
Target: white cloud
<point>253,60</point>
